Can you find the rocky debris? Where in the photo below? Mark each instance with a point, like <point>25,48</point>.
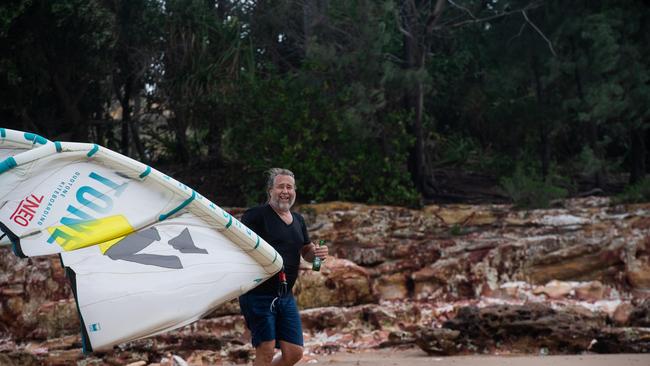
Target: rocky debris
<point>340,282</point>
<point>398,277</point>
<point>528,328</point>
<point>640,315</point>
<point>621,315</point>
<point>554,289</point>
<point>398,338</point>
<point>460,251</point>
<point>486,325</point>
<point>439,341</point>
<point>622,340</point>
<point>591,291</point>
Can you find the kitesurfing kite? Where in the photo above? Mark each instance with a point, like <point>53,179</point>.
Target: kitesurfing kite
<point>144,253</point>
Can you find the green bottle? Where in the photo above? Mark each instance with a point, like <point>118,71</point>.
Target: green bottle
<point>317,261</point>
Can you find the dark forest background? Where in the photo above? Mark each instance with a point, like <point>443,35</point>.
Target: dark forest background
<point>385,101</point>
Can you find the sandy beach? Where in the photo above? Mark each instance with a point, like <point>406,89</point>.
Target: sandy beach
<point>416,357</point>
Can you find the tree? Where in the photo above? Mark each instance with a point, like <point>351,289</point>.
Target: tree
<point>603,53</point>
<point>421,20</point>
<point>53,61</point>
<point>137,33</point>
<point>201,59</point>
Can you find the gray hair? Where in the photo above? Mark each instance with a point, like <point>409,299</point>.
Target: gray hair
<point>273,173</point>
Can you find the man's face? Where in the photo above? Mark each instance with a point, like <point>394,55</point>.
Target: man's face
<point>283,193</point>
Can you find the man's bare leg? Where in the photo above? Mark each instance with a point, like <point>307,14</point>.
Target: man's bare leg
<point>264,353</point>
<point>291,354</point>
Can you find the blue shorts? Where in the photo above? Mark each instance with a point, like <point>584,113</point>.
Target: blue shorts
<point>270,318</point>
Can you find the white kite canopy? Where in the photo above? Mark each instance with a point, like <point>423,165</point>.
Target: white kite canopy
<point>14,142</point>
<point>18,141</point>
<point>144,253</point>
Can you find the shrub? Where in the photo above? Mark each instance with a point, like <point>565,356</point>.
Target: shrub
<point>636,193</point>
<point>336,153</point>
<point>527,190</point>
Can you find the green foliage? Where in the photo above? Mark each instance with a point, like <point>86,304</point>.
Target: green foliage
<point>53,69</point>
<point>528,190</point>
<point>456,150</point>
<point>635,193</point>
<point>589,164</point>
<point>326,88</point>
<point>462,152</point>
<point>456,230</point>
<point>289,124</point>
<point>327,121</point>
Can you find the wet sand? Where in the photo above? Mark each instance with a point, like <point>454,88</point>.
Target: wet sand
<point>416,357</point>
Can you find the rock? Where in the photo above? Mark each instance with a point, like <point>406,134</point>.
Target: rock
<point>561,220</point>
<point>179,361</point>
<point>14,306</point>
<point>435,341</point>
<point>401,337</point>
<point>67,342</point>
<point>19,358</point>
<point>446,275</point>
<point>203,357</point>
<point>591,291</point>
<point>241,354</point>
<point>202,340</point>
<point>395,271</point>
<point>398,338</point>
<point>575,262</point>
<point>63,357</point>
<point>465,215</point>
<point>390,316</point>
<point>621,316</point>
<point>366,256</point>
<point>391,287</point>
<point>231,326</point>
<point>524,327</point>
<point>640,315</point>
<point>56,319</point>
<point>623,340</point>
<point>339,283</point>
<point>398,315</point>
<point>638,265</point>
<point>554,289</point>
<point>512,290</point>
<point>137,363</point>
<point>325,318</point>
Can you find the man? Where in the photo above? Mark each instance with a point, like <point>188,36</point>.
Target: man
<point>270,309</point>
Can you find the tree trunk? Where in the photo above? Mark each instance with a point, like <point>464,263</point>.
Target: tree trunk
<point>125,101</point>
<point>135,133</point>
<point>28,123</point>
<point>592,130</point>
<point>411,50</point>
<point>639,155</point>
<point>182,146</point>
<point>314,13</point>
<point>71,111</point>
<point>545,146</point>
<point>420,162</point>
<point>417,44</point>
<point>214,137</point>
<point>223,7</point>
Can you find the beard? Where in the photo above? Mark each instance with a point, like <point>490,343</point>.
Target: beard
<point>282,205</point>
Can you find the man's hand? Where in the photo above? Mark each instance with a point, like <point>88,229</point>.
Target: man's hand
<point>311,251</point>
